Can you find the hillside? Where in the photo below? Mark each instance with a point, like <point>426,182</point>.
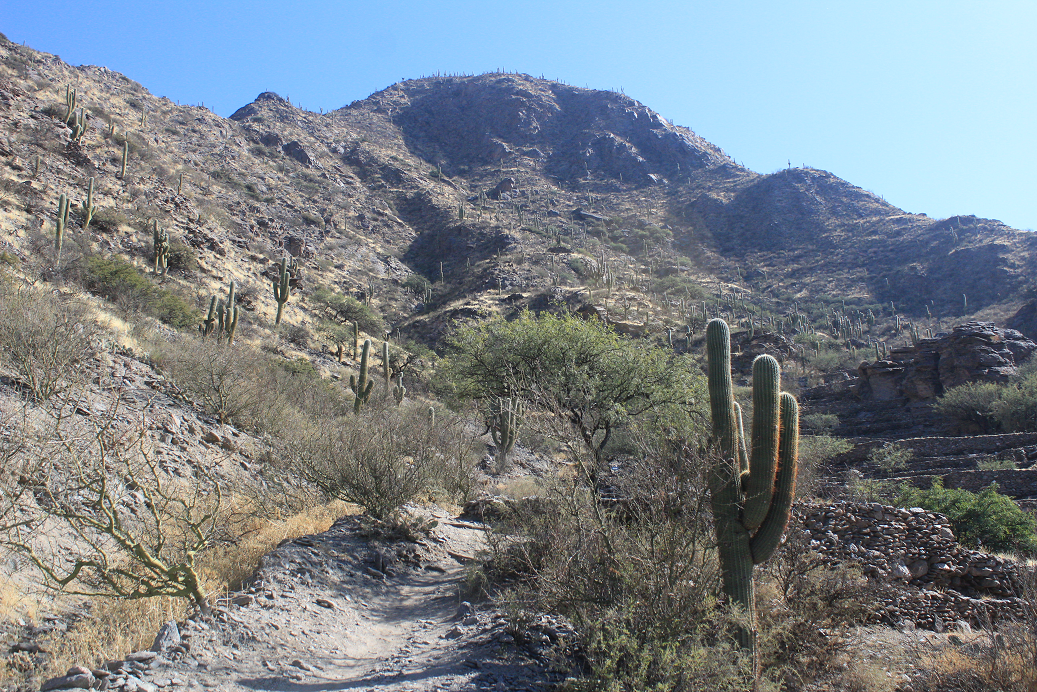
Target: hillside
<point>370,194</point>
<point>342,538</point>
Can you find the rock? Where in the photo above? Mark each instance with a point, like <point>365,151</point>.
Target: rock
<point>243,599</point>
<point>301,665</point>
<point>168,636</point>
<point>501,190</point>
<point>919,568</point>
<point>78,681</point>
<point>464,611</point>
<point>295,150</point>
<point>972,352</point>
<point>325,603</point>
<point>142,656</point>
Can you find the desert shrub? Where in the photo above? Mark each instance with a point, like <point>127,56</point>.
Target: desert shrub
<point>416,283</point>
<point>973,404</point>
<point>985,519</point>
<point>819,423</point>
<point>806,611</point>
<point>182,257</point>
<point>45,339</point>
<point>380,459</point>
<point>815,451</point>
<point>890,457</point>
<point>122,283</point>
<point>637,576</point>
<point>298,335</point>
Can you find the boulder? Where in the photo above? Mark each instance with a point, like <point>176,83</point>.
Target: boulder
<point>972,352</point>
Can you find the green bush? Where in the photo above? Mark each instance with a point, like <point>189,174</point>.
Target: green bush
<point>987,407</point>
<point>122,283</point>
<point>987,518</point>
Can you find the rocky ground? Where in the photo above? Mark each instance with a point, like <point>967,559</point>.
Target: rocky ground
<point>343,611</point>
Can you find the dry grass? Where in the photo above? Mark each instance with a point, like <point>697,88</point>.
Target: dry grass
<point>114,628</point>
<point>227,566</point>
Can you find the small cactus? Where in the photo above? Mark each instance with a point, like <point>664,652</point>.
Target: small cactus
<point>361,385</point>
<point>282,291</point>
<point>399,392</point>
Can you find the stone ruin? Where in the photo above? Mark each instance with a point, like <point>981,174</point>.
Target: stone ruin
<point>931,580</point>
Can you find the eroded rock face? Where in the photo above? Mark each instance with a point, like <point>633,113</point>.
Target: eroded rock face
<point>972,352</point>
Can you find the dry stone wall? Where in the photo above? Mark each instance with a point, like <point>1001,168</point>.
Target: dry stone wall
<point>932,580</point>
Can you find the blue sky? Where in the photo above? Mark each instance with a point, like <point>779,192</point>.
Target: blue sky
<point>930,104</point>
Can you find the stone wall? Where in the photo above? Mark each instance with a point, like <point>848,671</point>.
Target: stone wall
<point>932,580</point>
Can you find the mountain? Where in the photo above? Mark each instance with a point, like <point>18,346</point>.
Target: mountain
<point>480,185</point>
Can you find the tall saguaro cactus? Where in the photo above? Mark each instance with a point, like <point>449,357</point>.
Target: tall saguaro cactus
<point>361,385</point>
<point>507,419</point>
<point>281,290</point>
<point>160,242</point>
<point>753,485</point>
<point>59,227</point>
<point>88,205</point>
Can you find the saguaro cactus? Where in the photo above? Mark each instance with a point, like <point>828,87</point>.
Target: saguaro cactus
<point>399,392</point>
<point>507,419</point>
<point>59,227</point>
<point>752,490</point>
<point>160,241</point>
<point>281,290</point>
<point>362,385</point>
<point>125,157</point>
<point>88,205</point>
<point>386,374</point>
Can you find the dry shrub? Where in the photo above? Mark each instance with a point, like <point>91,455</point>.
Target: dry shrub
<point>383,458</point>
<point>44,338</point>
<point>228,565</point>
<point>637,575</point>
<point>1004,658</point>
<point>806,611</point>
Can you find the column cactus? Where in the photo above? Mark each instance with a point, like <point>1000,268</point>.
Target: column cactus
<point>227,316</point>
<point>361,385</point>
<point>160,241</point>
<point>282,291</point>
<point>752,486</point>
<point>399,392</point>
<point>59,227</point>
<point>507,419</point>
<point>88,205</point>
<point>356,340</point>
<point>385,365</point>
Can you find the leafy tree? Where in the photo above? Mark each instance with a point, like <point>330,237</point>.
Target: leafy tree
<point>581,372</point>
<point>346,309</point>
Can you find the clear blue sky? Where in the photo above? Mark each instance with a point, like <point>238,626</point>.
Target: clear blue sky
<point>929,104</point>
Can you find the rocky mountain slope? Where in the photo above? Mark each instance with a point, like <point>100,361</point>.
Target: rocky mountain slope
<point>469,181</point>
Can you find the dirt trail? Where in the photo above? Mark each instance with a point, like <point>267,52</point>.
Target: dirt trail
<point>337,611</point>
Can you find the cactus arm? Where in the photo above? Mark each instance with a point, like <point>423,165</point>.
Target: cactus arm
<point>207,327</point>
<point>767,539</point>
<point>743,454</point>
<point>763,454</point>
<point>721,391</point>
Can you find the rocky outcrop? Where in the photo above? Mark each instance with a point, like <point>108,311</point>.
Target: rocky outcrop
<point>972,352</point>
<point>932,580</point>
